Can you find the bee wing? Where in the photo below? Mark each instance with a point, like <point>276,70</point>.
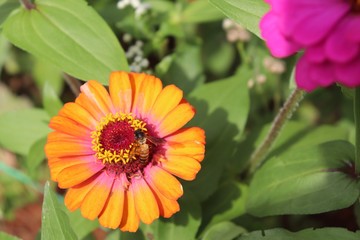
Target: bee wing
<point>154,140</point>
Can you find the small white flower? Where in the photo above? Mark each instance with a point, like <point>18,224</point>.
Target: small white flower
<point>227,23</point>
<point>141,9</point>
<point>127,38</point>
<point>135,3</point>
<point>123,3</point>
<point>144,63</point>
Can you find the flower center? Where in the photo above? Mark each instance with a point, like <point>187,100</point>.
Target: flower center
<point>120,142</point>
<point>113,139</point>
<point>117,135</point>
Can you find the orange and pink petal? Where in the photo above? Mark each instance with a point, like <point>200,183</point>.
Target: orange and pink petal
<point>78,114</point>
<point>145,202</point>
<point>64,149</point>
<point>165,102</point>
<point>147,88</point>
<point>175,119</point>
<point>76,174</point>
<point>58,164</point>
<point>164,182</point>
<point>113,211</point>
<point>95,199</point>
<point>130,221</point>
<point>68,126</point>
<point>181,166</point>
<point>75,195</point>
<point>120,91</point>
<point>167,207</point>
<point>98,95</point>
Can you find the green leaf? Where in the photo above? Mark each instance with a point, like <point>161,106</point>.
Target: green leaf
<point>223,231</point>
<point>219,55</point>
<point>5,236</point>
<point>6,6</point>
<point>55,222</point>
<point>46,73</point>
<point>81,225</point>
<point>201,11</point>
<point>21,129</point>
<point>69,34</point>
<point>308,234</point>
<point>4,50</point>
<point>298,134</point>
<point>119,235</point>
<point>348,92</point>
<point>227,203</point>
<point>163,66</point>
<point>19,176</point>
<point>51,101</point>
<point>222,110</point>
<point>294,135</point>
<point>183,225</point>
<point>305,181</point>
<point>36,155</point>
<point>184,68</point>
<point>245,12</point>
<point>357,212</point>
<point>161,6</point>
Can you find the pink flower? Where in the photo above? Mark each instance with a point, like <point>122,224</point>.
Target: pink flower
<point>327,30</point>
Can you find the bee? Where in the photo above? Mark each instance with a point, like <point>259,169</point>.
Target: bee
<point>141,147</point>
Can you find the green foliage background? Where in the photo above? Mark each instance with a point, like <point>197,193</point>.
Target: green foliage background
<point>308,171</point>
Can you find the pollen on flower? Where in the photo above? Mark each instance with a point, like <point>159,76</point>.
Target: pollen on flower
<point>113,138</point>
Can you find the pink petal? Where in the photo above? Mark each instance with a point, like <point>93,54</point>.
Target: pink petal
<point>279,46</point>
<point>322,74</point>
<point>348,73</point>
<point>352,28</point>
<point>302,76</point>
<point>315,53</point>
<point>338,47</point>
<point>308,21</point>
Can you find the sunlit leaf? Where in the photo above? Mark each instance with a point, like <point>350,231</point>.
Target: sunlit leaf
<point>4,50</point>
<point>223,231</point>
<point>305,181</point>
<point>246,12</point>
<point>294,135</point>
<point>201,11</point>
<point>55,222</point>
<point>69,34</point>
<point>36,154</point>
<point>47,73</point>
<point>21,129</point>
<point>297,134</point>
<point>308,234</point>
<point>5,236</point>
<point>52,103</point>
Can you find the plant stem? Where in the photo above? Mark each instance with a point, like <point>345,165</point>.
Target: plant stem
<point>283,115</point>
<point>357,128</point>
<point>27,4</point>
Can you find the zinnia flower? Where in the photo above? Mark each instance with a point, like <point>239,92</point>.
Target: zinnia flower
<point>119,153</point>
<point>327,31</point>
